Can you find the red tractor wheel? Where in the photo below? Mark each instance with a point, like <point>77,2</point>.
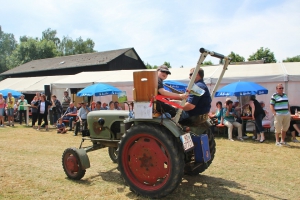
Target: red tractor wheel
<point>150,160</point>
<point>72,165</point>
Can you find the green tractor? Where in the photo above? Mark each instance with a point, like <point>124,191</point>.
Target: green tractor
<point>152,153</point>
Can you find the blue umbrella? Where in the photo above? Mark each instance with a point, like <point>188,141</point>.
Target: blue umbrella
<point>14,93</point>
<point>181,87</point>
<point>98,89</point>
<point>241,88</point>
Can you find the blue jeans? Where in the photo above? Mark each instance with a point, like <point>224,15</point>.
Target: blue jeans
<point>258,124</point>
<point>55,117</point>
<point>71,119</point>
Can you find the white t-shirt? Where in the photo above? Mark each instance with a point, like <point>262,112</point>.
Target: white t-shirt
<point>42,108</point>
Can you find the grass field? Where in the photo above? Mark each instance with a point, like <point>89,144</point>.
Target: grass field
<point>30,168</point>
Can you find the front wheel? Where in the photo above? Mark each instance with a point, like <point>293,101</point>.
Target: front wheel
<point>112,152</point>
<point>150,160</point>
<point>72,165</point>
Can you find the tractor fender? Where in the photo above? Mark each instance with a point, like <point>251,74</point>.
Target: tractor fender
<point>170,125</point>
<point>83,157</point>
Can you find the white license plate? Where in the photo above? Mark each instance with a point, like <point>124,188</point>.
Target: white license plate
<point>187,141</point>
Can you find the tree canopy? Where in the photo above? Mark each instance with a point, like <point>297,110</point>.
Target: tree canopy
<point>264,54</point>
<point>7,46</point>
<point>292,59</point>
<point>236,57</point>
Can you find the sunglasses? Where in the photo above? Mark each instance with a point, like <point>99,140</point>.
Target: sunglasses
<point>164,72</point>
<point>281,88</point>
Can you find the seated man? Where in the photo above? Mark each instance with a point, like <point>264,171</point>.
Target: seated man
<point>228,115</point>
<point>196,109</point>
<point>71,110</point>
<point>82,117</point>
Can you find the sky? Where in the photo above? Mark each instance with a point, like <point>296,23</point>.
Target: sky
<point>164,30</point>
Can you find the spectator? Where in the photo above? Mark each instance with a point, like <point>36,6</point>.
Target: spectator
<point>43,106</point>
<point>104,106</point>
<point>98,105</point>
<point>56,109</point>
<point>293,128</point>
<point>228,115</point>
<point>2,109</point>
<point>82,117</point>
<point>38,95</point>
<point>111,105</point>
<point>257,114</point>
<point>34,111</point>
<point>279,106</point>
<point>219,112</point>
<point>10,102</point>
<point>66,101</point>
<point>71,110</point>
<point>61,128</point>
<point>22,110</point>
<point>117,106</point>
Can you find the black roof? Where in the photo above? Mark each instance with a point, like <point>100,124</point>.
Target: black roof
<point>78,60</point>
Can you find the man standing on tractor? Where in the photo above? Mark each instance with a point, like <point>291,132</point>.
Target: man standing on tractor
<point>197,107</point>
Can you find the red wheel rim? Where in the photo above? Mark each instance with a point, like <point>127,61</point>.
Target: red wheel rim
<point>146,162</point>
<point>71,164</point>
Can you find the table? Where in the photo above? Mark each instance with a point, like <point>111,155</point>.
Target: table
<point>27,113</point>
<point>296,118</point>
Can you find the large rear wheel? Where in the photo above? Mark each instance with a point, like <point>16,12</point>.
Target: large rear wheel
<point>150,160</point>
<point>72,165</point>
<point>192,168</point>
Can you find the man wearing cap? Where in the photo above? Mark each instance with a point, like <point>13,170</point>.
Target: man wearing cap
<point>163,72</point>
<point>69,115</point>
<point>82,117</point>
<point>197,107</point>
<point>21,109</point>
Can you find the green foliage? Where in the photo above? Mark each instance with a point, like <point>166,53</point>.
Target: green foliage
<point>7,45</point>
<point>236,57</point>
<point>32,49</point>
<point>167,64</point>
<point>206,63</point>
<point>292,59</point>
<point>265,54</point>
<point>68,46</point>
<point>51,36</point>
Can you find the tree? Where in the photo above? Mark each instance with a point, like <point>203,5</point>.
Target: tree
<point>51,36</point>
<point>167,64</point>
<point>264,54</point>
<point>207,63</point>
<point>69,47</point>
<point>7,46</point>
<point>236,57</point>
<point>32,49</point>
<point>292,59</point>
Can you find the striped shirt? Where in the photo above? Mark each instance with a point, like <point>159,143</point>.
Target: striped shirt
<point>280,103</point>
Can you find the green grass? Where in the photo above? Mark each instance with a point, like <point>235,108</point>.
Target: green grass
<point>30,168</point>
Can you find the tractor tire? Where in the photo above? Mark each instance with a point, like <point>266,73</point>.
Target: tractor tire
<point>150,160</point>
<point>72,165</point>
<point>212,146</point>
<point>112,152</point>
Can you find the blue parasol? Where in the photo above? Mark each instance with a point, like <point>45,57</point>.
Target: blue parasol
<point>98,89</point>
<point>14,93</point>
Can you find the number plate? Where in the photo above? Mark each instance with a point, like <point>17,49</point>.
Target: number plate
<point>187,141</point>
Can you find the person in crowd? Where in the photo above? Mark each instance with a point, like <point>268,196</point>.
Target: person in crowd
<point>43,106</point>
<point>98,106</point>
<point>163,72</point>
<point>117,106</point>
<point>2,109</point>
<point>258,114</point>
<point>34,111</point>
<point>293,128</point>
<point>38,95</point>
<point>280,108</point>
<point>69,115</point>
<point>66,101</point>
<point>61,127</point>
<point>56,109</point>
<point>78,106</point>
<point>82,117</point>
<point>228,115</point>
<point>111,105</point>
<point>196,107</point>
<point>263,105</point>
<point>104,106</point>
<point>219,112</point>
<point>10,102</point>
<point>21,109</point>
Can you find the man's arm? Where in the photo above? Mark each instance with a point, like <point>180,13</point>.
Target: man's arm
<point>164,92</point>
<point>188,106</point>
<point>272,109</point>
